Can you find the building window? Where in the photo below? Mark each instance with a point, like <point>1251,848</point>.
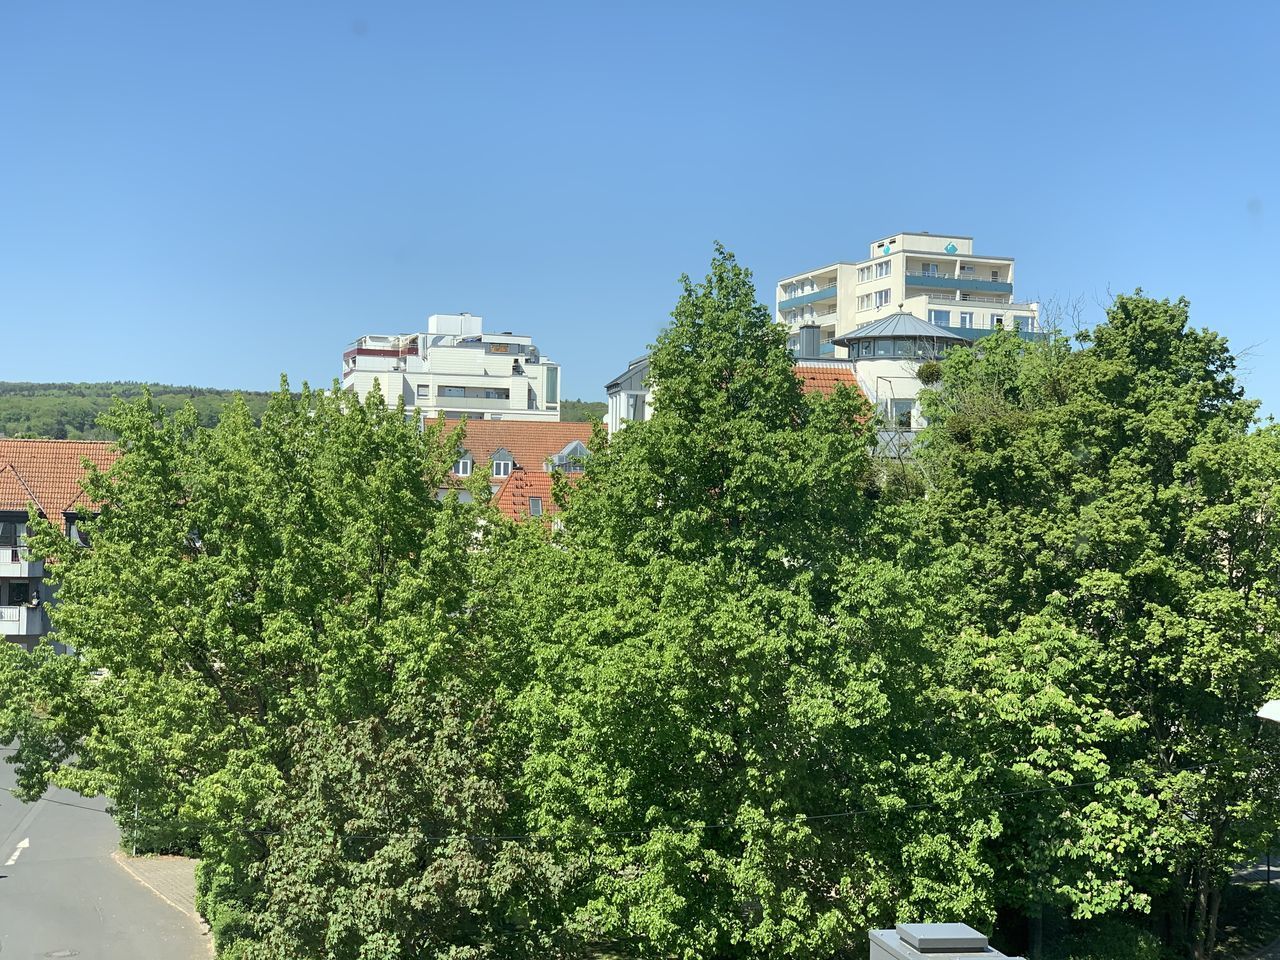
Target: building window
<point>900,414</point>
<point>995,274</point>
<point>535,506</point>
<point>1022,323</point>
<point>941,318</point>
<point>450,391</point>
<point>553,385</point>
<point>19,592</point>
<point>967,269</point>
<point>929,269</point>
<point>884,268</point>
<point>868,347</point>
<point>8,534</point>
<point>864,274</point>
<point>502,468</point>
<point>883,297</point>
<point>884,348</point>
<point>966,319</point>
<point>997,321</point>
<point>463,467</point>
<point>864,301</point>
<point>902,348</point>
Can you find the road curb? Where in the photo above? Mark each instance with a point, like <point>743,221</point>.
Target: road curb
<point>123,862</point>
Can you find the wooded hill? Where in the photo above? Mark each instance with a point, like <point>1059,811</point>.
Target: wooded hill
<point>70,411</point>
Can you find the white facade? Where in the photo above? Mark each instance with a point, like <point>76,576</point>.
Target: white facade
<point>629,396</point>
<point>886,356</point>
<point>23,594</point>
<point>936,277</point>
<point>456,369</point>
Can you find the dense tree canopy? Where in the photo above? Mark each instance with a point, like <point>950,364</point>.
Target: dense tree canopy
<point>753,692</point>
<point>73,411</point>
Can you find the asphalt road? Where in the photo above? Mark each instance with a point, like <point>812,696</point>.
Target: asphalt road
<point>61,894</point>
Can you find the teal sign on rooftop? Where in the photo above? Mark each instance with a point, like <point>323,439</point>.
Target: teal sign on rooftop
<point>951,248</point>
<point>886,248</point>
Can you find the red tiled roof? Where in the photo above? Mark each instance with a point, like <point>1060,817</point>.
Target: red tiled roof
<point>530,442</point>
<point>513,496</point>
<point>49,473</point>
<point>824,378</point>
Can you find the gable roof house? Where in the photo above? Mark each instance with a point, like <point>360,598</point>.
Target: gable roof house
<point>519,458</point>
<point>631,396</point>
<point>50,475</point>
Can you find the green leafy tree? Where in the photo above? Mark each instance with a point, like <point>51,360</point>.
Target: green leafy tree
<point>1109,521</point>
<point>393,840</point>
<point>243,581</point>
<point>714,743</point>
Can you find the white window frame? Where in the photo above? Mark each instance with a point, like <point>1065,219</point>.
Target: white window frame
<point>966,319</point>
<point>884,268</point>
<point>883,298</point>
<point>501,469</point>
<point>535,506</point>
<point>463,467</point>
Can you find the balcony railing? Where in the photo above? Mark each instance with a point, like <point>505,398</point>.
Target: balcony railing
<point>952,301</point>
<point>470,403</point>
<point>813,296</point>
<point>22,621</point>
<point>957,283</point>
<point>22,568</point>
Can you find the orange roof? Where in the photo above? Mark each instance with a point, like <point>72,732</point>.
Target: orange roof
<point>49,473</point>
<point>825,377</point>
<point>513,496</point>
<point>530,442</point>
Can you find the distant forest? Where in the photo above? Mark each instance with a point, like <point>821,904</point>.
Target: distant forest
<point>69,411</point>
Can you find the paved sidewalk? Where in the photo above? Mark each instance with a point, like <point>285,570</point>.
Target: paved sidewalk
<point>172,879</point>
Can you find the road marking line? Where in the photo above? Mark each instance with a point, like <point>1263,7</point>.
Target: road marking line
<point>22,845</point>
<point>26,821</point>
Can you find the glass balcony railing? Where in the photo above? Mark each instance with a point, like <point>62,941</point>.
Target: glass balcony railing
<point>822,293</point>
<point>952,282</point>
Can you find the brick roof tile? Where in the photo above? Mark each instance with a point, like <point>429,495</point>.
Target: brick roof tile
<point>824,378</point>
<point>49,473</point>
<point>530,442</point>
<point>513,496</point>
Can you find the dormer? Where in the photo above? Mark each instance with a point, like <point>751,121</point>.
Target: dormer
<point>464,465</point>
<point>501,463</point>
<point>570,459</point>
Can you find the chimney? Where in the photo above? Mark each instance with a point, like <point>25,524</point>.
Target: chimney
<point>808,340</point>
<point>932,941</point>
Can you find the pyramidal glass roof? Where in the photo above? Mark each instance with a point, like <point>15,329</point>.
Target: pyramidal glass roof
<point>899,325</point>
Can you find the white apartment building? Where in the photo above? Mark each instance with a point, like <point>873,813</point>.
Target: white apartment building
<point>933,276</point>
<point>456,369</point>
<point>47,475</point>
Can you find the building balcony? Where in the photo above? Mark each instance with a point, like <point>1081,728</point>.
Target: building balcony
<point>23,621</point>
<point>822,293</point>
<point>947,281</point>
<point>472,403</point>
<point>984,302</point>
<point>18,564</point>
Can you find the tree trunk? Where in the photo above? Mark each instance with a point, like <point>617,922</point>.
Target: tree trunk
<point>1037,933</point>
<point>1215,901</point>
<point>1202,916</point>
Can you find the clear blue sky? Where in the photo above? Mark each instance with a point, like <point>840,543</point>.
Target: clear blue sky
<point>216,193</point>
